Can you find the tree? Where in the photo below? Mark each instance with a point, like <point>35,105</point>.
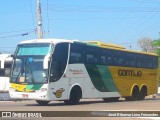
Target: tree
<point>146,44</point>
<point>156,45</point>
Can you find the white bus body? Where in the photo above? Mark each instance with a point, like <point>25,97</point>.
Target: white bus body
<point>57,69</point>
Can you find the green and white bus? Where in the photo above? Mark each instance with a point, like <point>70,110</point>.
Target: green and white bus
<point>55,69</point>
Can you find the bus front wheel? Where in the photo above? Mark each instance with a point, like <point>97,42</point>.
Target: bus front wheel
<point>41,102</point>
<point>75,96</point>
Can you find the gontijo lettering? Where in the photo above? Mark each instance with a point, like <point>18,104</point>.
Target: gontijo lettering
<point>134,73</point>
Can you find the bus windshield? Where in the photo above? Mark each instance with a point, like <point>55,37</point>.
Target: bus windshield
<point>29,69</point>
<point>28,64</point>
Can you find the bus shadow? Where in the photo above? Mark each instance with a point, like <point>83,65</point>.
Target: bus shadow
<point>61,103</point>
<point>82,102</point>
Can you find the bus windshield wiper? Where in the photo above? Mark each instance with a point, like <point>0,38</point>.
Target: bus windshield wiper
<point>19,73</point>
<point>30,73</point>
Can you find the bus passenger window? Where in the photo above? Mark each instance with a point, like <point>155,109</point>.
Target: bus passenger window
<point>155,62</point>
<point>2,72</point>
<point>92,55</point>
<point>141,61</point>
<point>75,57</point>
<point>106,57</point>
<point>119,58</point>
<point>77,52</point>
<point>130,59</point>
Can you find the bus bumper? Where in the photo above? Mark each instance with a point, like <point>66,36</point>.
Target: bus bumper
<point>28,96</point>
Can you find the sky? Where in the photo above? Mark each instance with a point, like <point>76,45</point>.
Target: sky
<point>121,22</point>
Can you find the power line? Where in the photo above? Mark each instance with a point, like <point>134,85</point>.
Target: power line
<point>4,51</point>
<point>23,34</point>
<point>129,14</point>
<point>138,23</point>
<point>72,7</point>
<point>105,19</point>
<point>95,11</point>
<point>17,31</point>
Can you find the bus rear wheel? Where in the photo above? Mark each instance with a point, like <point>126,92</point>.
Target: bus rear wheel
<point>75,96</point>
<point>135,95</point>
<point>143,93</point>
<point>41,102</point>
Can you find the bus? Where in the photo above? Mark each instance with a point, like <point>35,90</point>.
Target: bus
<point>5,67</point>
<point>47,70</point>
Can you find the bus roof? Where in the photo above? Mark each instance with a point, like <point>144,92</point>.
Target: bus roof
<point>105,45</point>
<point>116,47</point>
<point>46,41</point>
<point>92,43</point>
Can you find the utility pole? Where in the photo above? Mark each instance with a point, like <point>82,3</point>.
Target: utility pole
<point>39,21</point>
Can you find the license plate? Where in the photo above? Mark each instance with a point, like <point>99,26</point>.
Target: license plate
<point>24,95</point>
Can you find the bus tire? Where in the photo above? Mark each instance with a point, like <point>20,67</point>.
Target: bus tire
<point>41,102</point>
<point>135,95</point>
<point>75,96</point>
<point>143,93</point>
<point>112,99</point>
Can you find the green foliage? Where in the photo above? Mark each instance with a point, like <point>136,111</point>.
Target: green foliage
<point>156,45</point>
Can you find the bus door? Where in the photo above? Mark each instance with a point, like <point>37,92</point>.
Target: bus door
<point>58,86</point>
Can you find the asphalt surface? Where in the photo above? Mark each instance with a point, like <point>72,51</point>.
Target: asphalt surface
<point>88,105</point>
<point>4,96</point>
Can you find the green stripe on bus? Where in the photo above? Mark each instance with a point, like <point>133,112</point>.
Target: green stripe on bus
<point>34,87</point>
<point>107,78</point>
<point>101,78</point>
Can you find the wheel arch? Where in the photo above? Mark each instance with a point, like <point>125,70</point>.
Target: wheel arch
<point>144,87</point>
<point>78,86</point>
<point>133,87</point>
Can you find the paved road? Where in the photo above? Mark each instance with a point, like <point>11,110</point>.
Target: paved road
<point>4,96</point>
<point>151,104</point>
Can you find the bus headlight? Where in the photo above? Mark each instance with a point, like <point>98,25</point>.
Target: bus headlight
<point>12,89</point>
<point>42,90</point>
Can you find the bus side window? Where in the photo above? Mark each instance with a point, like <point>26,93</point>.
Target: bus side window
<point>107,57</point>
<point>119,58</point>
<point>150,61</point>
<point>59,61</point>
<point>92,55</point>
<point>141,61</point>
<point>155,62</point>
<point>130,59</point>
<point>7,68</point>
<point>2,72</point>
<point>76,53</point>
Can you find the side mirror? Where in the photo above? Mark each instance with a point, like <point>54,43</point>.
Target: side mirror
<point>13,56</point>
<point>46,61</point>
